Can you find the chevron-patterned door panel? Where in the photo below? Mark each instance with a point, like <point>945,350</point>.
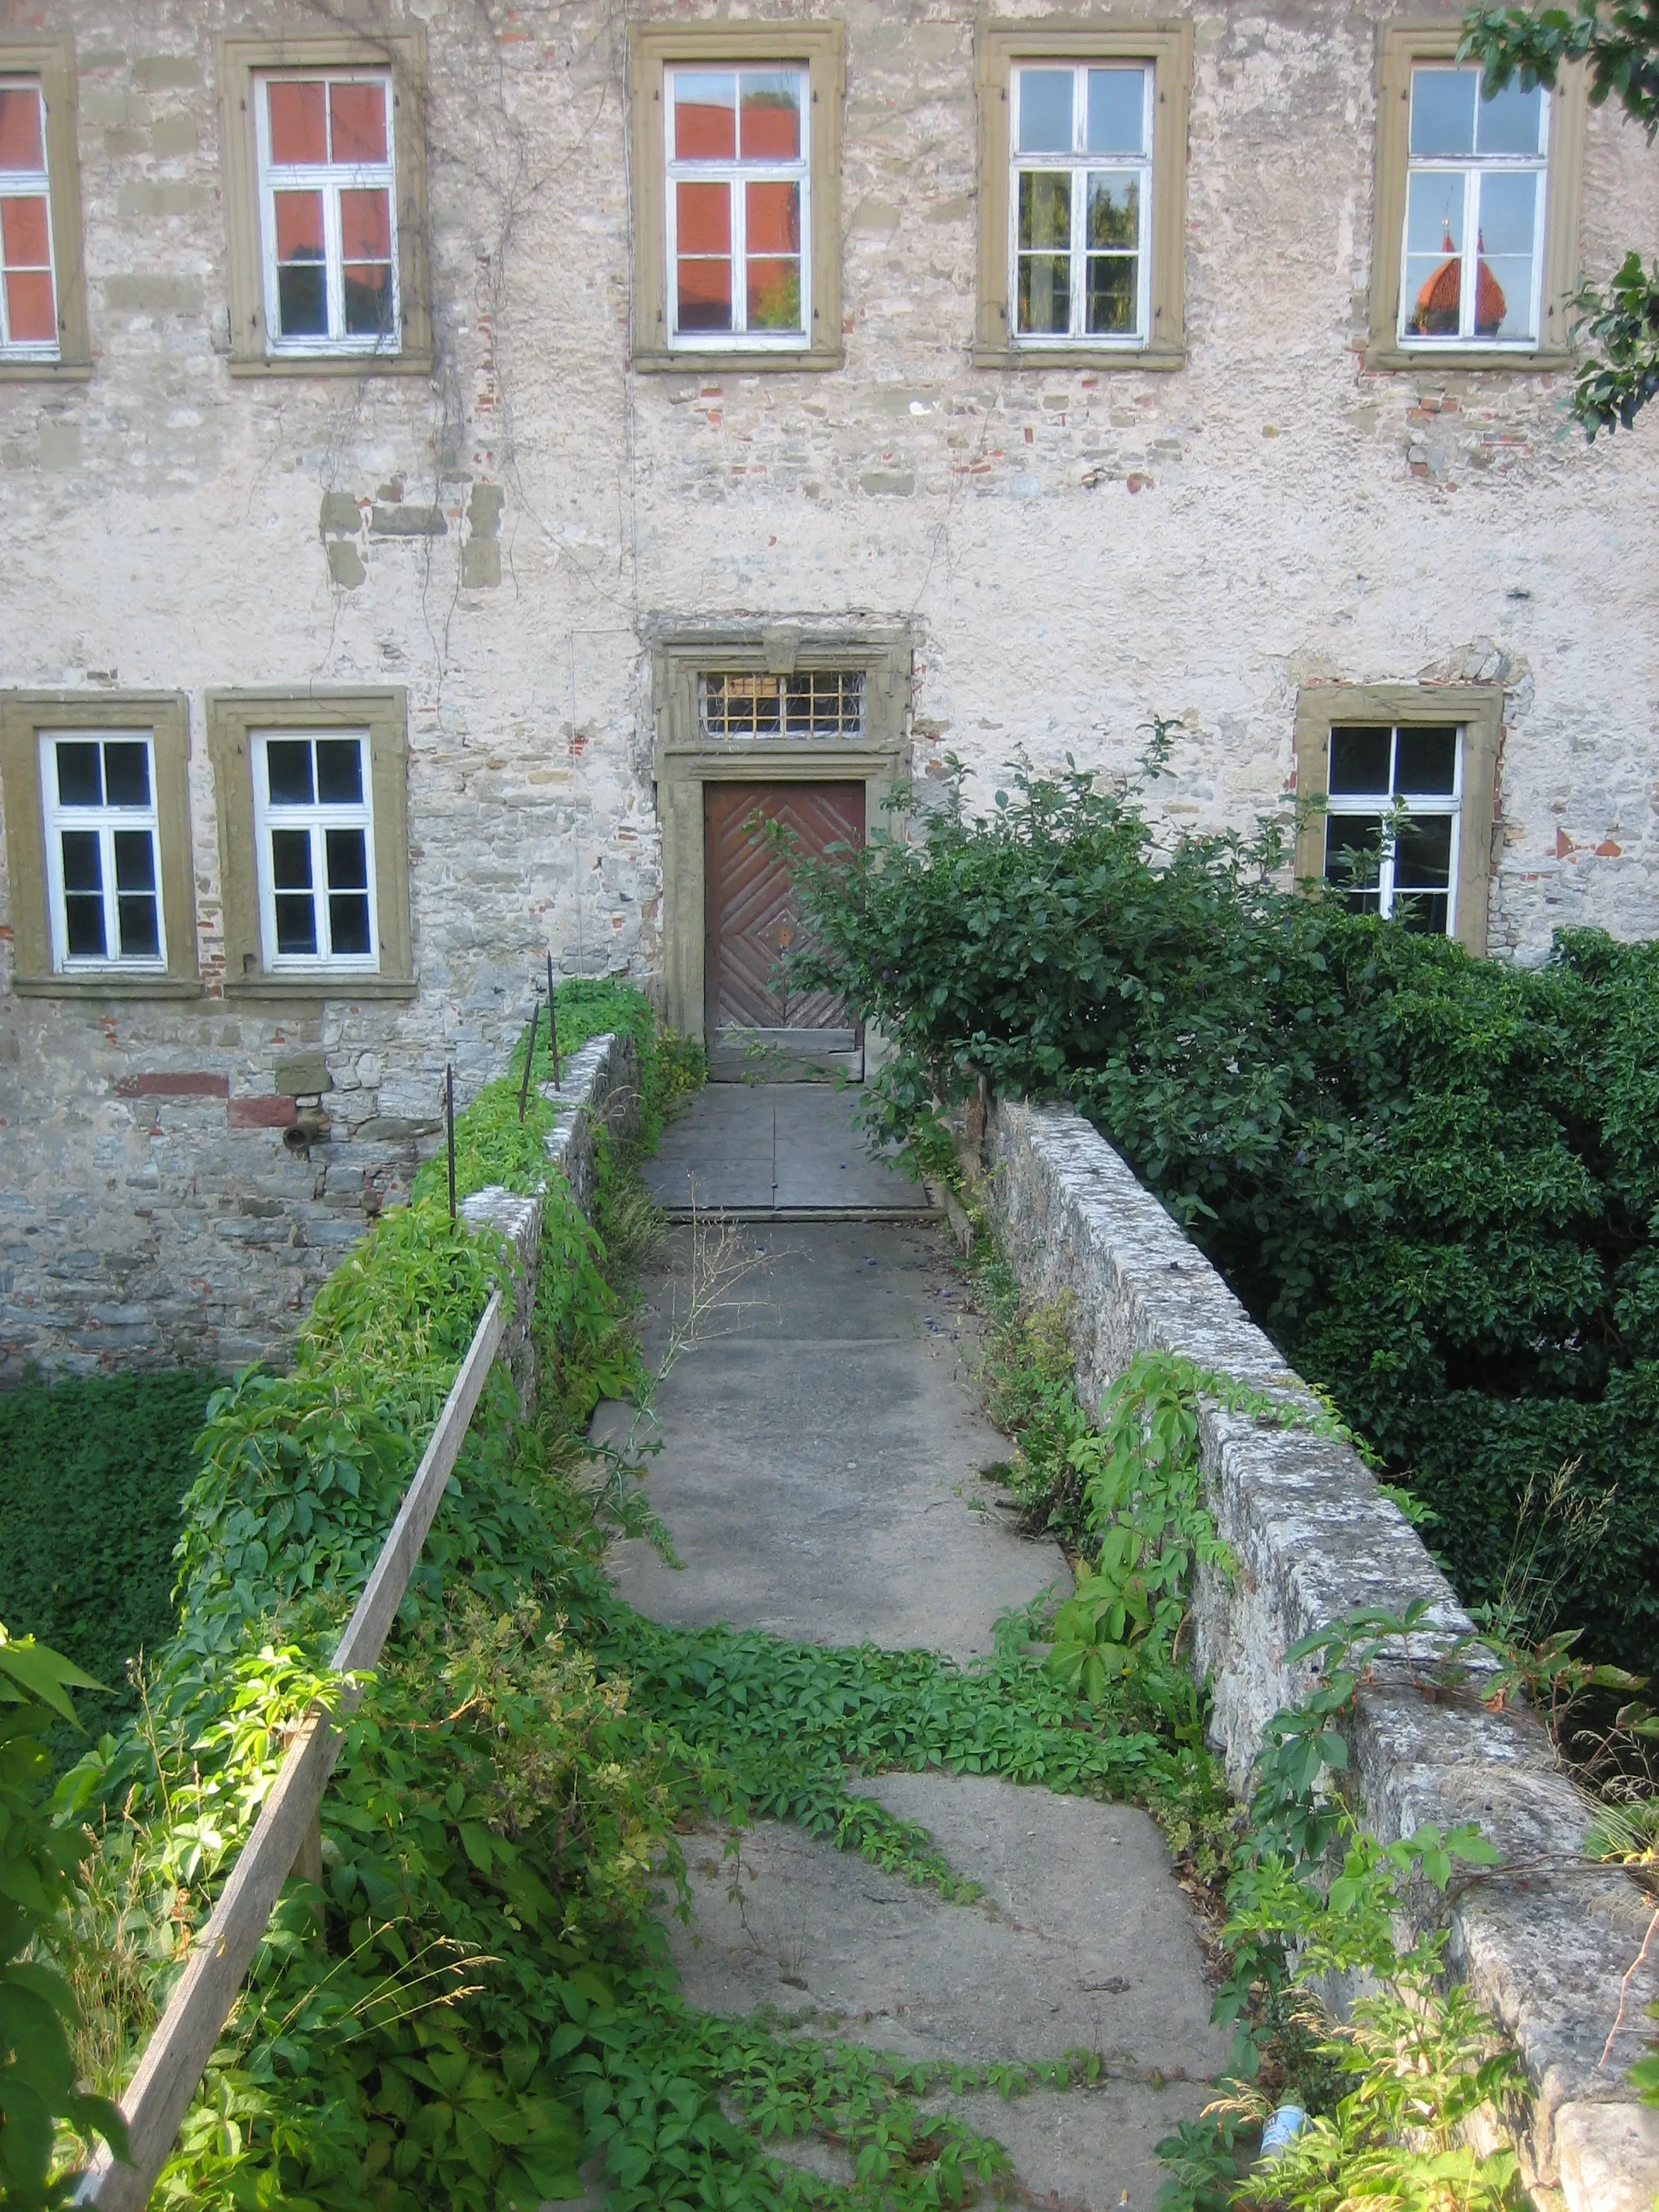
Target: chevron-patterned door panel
<point>751,918</point>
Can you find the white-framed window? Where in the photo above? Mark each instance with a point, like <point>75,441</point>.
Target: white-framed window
<point>1473,257</point>
<point>738,217</point>
<point>314,832</point>
<point>28,282</point>
<point>816,702</point>
<point>328,210</point>
<point>1080,203</point>
<point>103,857</point>
<point>1393,821</point>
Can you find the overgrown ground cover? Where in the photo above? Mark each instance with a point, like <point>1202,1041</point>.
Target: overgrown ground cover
<point>93,1473</point>
<point>1433,1179</point>
<point>478,1999</point>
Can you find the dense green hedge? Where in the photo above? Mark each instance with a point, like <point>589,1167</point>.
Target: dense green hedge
<point>1433,1179</point>
<point>92,1475</point>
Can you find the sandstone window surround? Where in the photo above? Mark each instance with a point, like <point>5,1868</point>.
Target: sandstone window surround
<point>1082,244</point>
<point>1474,248</point>
<point>325,204</point>
<point>43,293</point>
<point>98,843</point>
<point>789,702</point>
<point>313,854</point>
<point>736,194</point>
<point>1430,751</point>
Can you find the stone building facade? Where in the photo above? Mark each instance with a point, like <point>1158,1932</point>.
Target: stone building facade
<point>402,429</point>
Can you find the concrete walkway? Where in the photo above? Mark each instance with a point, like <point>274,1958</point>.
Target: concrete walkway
<point>764,1149</point>
<point>820,1478</point>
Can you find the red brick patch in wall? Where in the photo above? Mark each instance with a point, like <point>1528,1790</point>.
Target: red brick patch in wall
<point>174,1086</point>
<point>263,1113</point>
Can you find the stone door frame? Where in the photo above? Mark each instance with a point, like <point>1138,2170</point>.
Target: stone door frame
<point>685,761</point>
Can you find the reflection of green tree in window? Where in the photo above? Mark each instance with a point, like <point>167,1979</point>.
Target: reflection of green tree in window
<point>774,298</point>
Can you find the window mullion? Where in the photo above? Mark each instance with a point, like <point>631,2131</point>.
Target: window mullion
<point>1468,295</point>
<point>320,885</point>
<point>333,261</point>
<point>1079,199</point>
<point>106,870</point>
<point>739,233</point>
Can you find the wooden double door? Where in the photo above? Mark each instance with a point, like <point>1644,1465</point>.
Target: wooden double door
<point>756,1026</point>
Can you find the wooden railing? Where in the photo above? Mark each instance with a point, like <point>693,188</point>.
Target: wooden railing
<point>287,1836</point>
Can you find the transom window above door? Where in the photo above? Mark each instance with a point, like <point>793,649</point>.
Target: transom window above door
<point>1394,802</point>
<point>103,859</point>
<point>739,219</point>
<point>314,830</point>
<point>825,704</point>
<point>1081,202</point>
<point>1473,261</point>
<point>327,211</point>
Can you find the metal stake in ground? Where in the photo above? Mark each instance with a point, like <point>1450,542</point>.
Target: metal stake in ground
<point>552,1022</point>
<point>529,1054</point>
<point>449,1118</point>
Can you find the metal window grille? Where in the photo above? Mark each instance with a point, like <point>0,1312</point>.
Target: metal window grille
<point>819,703</point>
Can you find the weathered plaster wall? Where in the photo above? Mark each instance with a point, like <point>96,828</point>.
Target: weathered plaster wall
<point>1545,1939</point>
<point>1072,551</point>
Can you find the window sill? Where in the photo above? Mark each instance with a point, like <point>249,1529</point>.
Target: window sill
<point>86,986</point>
<point>330,364</point>
<point>44,372</point>
<point>1114,361</point>
<point>1385,354</point>
<point>814,359</point>
<point>314,988</point>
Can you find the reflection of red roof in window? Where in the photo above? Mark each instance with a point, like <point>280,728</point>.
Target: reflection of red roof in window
<point>1435,314</point>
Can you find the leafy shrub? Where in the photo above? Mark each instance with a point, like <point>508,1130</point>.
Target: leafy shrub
<point>1433,1179</point>
<point>92,1475</point>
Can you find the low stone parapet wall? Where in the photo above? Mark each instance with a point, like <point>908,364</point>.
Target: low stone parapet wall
<point>1545,1939</point>
<point>600,1090</point>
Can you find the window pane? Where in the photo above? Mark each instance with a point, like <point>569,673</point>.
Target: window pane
<point>704,214</point>
<point>1359,759</point>
<point>346,853</point>
<point>1045,294</point>
<point>1113,210</point>
<point>339,772</point>
<point>79,773</point>
<point>82,869</point>
<point>288,772</point>
<point>299,226</point>
<point>705,115</point>
<point>773,227</point>
<point>705,295</point>
<point>366,226</point>
<point>1117,111</point>
<point>348,925</point>
<point>21,144</point>
<point>290,859</point>
<point>296,923</point>
<point>1426,762</point>
<point>704,217</point>
<point>302,302</point>
<point>1508,236</point>
<point>366,296</point>
<point>83,899</point>
<point>774,294</point>
<point>1424,914</point>
<point>141,936</point>
<point>135,861</point>
<point>1045,210</point>
<point>127,774</point>
<point>357,116</point>
<point>30,311</point>
<point>771,115</point>
<point>1353,859</point>
<point>298,130</point>
<point>1513,123</point>
<point>1113,285</point>
<point>1045,111</point>
<point>25,232</point>
<point>1422,854</point>
<point>1443,109</point>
